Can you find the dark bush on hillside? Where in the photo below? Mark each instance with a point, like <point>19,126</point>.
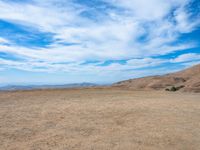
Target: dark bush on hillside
<point>180,87</point>
<point>173,88</point>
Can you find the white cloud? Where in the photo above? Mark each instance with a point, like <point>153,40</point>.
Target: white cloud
<point>148,10</point>
<point>45,17</point>
<point>3,41</point>
<point>113,37</point>
<point>187,58</point>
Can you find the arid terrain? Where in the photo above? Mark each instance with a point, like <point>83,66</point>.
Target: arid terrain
<point>187,80</point>
<point>99,119</point>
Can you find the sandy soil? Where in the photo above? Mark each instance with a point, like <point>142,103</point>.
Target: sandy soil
<point>99,119</point>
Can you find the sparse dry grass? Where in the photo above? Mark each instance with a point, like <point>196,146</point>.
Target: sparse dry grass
<point>99,119</point>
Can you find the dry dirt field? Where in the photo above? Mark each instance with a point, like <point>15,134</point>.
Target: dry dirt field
<point>99,119</point>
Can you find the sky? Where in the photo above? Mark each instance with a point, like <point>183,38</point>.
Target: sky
<point>97,41</point>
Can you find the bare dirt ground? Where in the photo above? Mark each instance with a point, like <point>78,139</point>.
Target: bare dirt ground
<point>99,119</point>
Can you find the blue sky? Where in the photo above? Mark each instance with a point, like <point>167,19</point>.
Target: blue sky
<point>99,41</point>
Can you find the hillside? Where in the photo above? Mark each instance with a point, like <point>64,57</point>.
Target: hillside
<point>186,80</point>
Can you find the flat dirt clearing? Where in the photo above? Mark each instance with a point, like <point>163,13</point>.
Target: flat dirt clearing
<point>99,119</point>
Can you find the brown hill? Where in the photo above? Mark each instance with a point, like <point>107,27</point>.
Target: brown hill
<point>186,80</point>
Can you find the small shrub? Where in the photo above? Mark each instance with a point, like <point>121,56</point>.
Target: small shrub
<point>180,87</point>
<point>166,89</point>
<point>173,89</point>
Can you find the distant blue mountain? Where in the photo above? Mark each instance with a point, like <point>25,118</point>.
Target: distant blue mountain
<point>30,87</point>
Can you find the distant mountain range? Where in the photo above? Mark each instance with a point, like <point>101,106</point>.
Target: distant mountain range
<point>186,80</point>
<point>31,87</point>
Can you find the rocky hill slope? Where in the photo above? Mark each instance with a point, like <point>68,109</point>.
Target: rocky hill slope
<point>186,80</point>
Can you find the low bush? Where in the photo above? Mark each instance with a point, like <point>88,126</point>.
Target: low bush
<point>173,88</point>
